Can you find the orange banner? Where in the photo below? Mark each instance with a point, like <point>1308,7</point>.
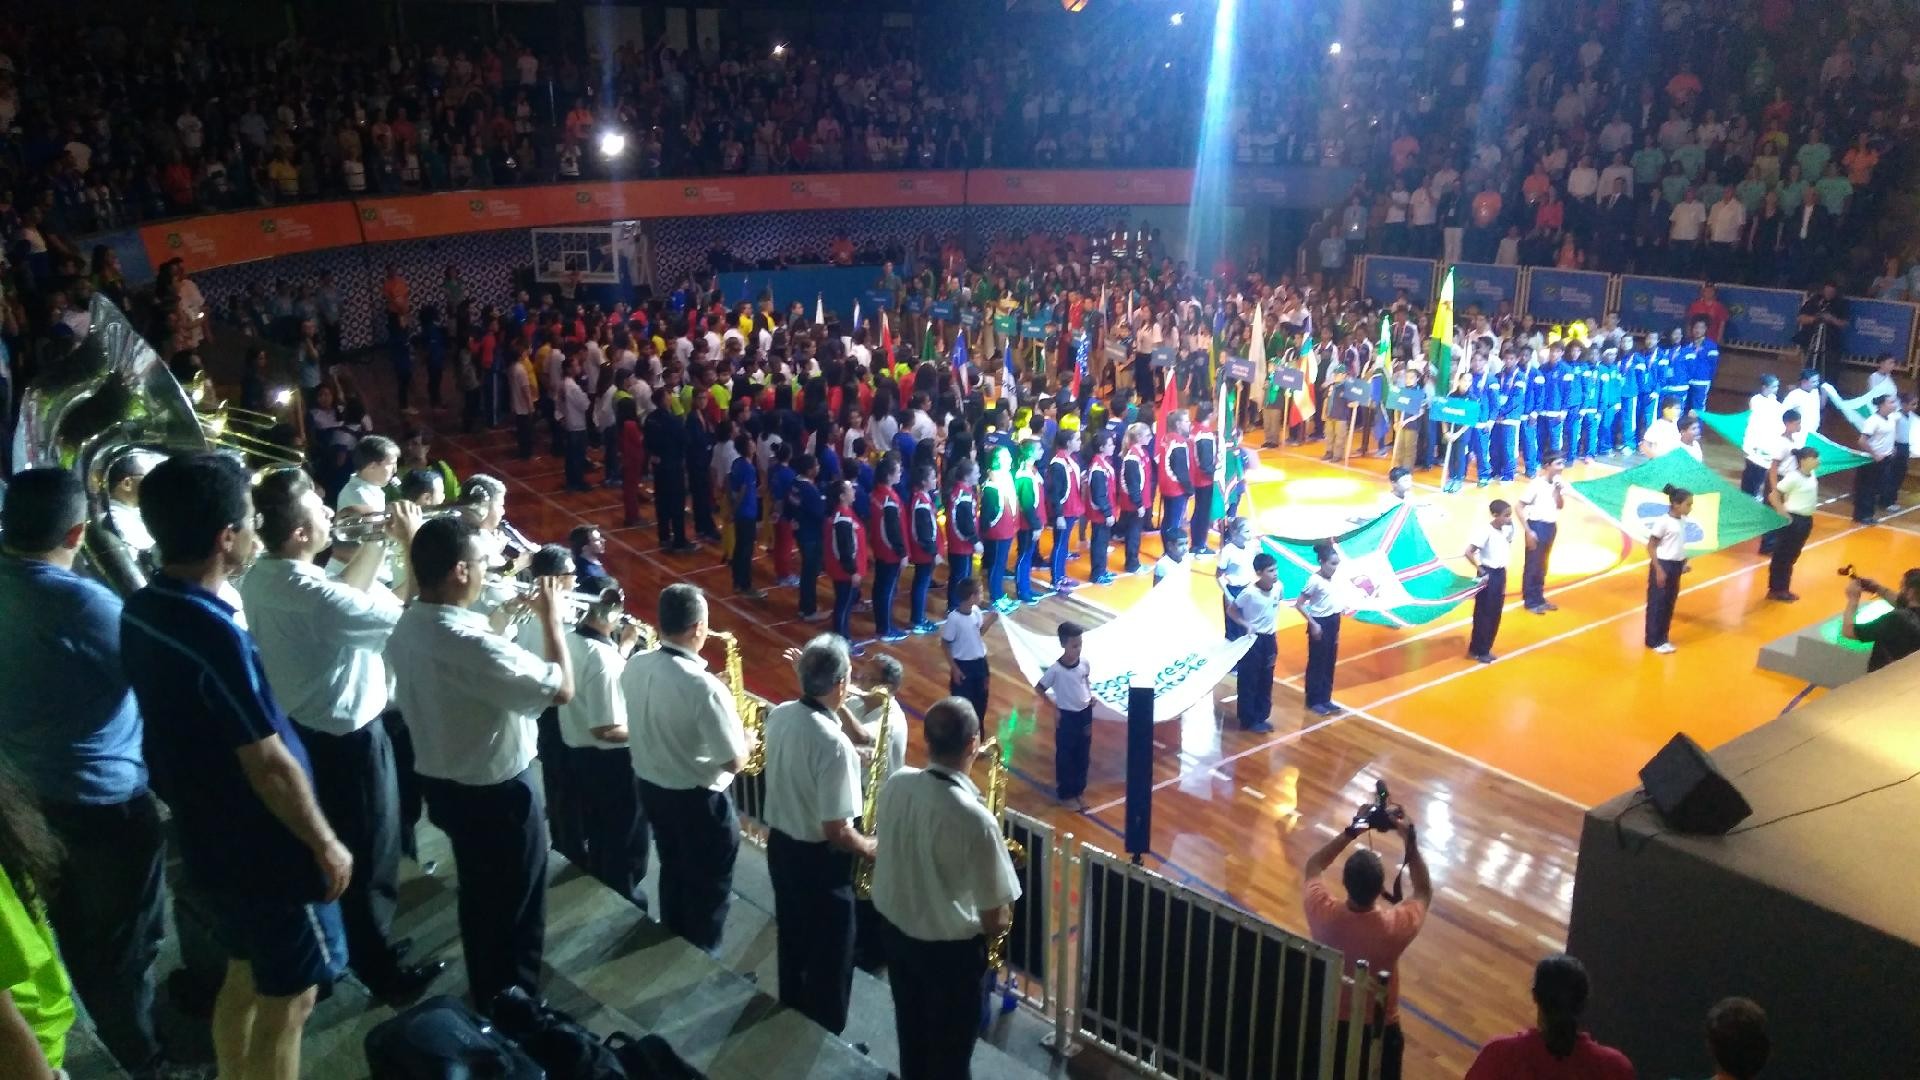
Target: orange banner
<point>225,239</point>
<point>826,191</point>
<point>1079,187</point>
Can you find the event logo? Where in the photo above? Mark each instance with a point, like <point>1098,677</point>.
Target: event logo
<point>703,193</point>
<point>905,183</point>
<point>268,225</point>
<point>288,230</point>
<point>582,198</point>
<point>478,206</point>
<point>798,187</point>
<point>368,213</point>
<point>1114,690</point>
<point>174,241</point>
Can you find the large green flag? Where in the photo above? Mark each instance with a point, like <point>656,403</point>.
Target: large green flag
<point>1229,468</point>
<point>1834,458</point>
<point>1722,514</point>
<point>1391,576</point>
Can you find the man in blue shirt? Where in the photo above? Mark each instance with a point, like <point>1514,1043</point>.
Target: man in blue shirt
<point>260,858</point>
<point>68,724</point>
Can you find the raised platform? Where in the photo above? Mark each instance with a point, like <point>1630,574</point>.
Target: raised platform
<point>1819,654</point>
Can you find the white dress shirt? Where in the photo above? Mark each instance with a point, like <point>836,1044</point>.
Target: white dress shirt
<point>813,774</point>
<point>1259,609</point>
<point>1320,596</point>
<point>1072,687</point>
<point>1235,566</point>
<point>597,698</point>
<point>1537,502</point>
<point>1494,545</point>
<point>321,642</point>
<point>469,695</point>
<point>126,521</point>
<point>942,860</point>
<point>359,491</point>
<point>961,632</point>
<point>682,727</point>
<point>1669,536</point>
<point>575,406</point>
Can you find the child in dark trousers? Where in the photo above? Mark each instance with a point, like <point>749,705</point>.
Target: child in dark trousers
<point>962,637</point>
<point>1070,679</point>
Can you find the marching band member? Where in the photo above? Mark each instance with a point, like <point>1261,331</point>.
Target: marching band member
<point>813,796</point>
<point>1666,561</point>
<point>945,884</point>
<point>321,641</point>
<point>123,498</point>
<point>1795,493</point>
<point>687,743</point>
<point>923,546</point>
<point>1254,611</point>
<point>887,531</point>
<point>1101,501</point>
<point>1066,502</point>
<point>845,540</point>
<point>470,698</point>
<point>1132,497</point>
<point>593,737</point>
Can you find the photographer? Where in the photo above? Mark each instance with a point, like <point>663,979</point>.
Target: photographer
<point>1896,634</point>
<point>1368,925</point>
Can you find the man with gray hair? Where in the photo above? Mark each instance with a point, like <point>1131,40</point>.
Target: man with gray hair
<point>687,743</point>
<point>813,795</point>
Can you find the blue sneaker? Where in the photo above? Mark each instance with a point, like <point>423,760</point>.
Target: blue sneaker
<point>893,637</point>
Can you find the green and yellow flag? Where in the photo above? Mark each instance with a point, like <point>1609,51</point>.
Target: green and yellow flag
<point>1441,351</point>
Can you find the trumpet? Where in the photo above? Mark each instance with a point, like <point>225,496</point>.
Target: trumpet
<point>370,527</point>
<point>870,806</point>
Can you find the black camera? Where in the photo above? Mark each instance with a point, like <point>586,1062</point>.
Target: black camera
<point>1378,814</point>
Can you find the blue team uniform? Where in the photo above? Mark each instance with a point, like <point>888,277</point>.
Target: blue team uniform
<point>1673,375</point>
<point>1510,410</point>
<point>1702,367</point>
<point>1479,390</point>
<point>1530,427</point>
<point>1610,382</point>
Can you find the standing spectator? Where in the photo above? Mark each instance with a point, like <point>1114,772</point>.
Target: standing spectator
<point>1726,228</point>
<point>1707,308</point>
<point>1687,222</point>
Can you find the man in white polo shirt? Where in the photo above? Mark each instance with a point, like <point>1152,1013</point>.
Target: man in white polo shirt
<point>1540,507</point>
<point>943,881</point>
<point>813,795</point>
<point>1490,551</point>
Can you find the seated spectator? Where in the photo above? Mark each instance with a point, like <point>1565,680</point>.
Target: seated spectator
<point>1737,1039</point>
<point>1554,1048</point>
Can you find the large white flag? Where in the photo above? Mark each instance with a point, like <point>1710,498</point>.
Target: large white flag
<point>1164,638</point>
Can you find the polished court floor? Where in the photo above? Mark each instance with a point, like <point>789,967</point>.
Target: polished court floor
<point>1496,762</point>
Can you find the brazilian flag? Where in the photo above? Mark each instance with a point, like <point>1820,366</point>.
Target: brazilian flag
<point>1389,574</point>
<point>1722,514</point>
<point>1834,458</point>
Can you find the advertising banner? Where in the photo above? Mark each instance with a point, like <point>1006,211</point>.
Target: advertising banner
<point>1763,318</point>
<point>1387,276</point>
<point>1565,295</point>
<point>1655,303</point>
<point>1880,328</point>
<point>1485,286</point>
<point>225,239</point>
<point>1079,187</point>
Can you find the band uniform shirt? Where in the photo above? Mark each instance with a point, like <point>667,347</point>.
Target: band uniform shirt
<point>598,701</point>
<point>682,728</point>
<point>942,859</point>
<point>1235,566</point>
<point>129,525</point>
<point>359,491</point>
<point>469,695</point>
<point>869,718</point>
<point>813,774</point>
<point>1669,536</point>
<point>1259,609</point>
<point>1072,687</point>
<point>1799,493</point>
<point>961,632</point>
<point>1494,543</point>
<point>1321,596</point>
<point>1537,502</point>
<point>321,641</point>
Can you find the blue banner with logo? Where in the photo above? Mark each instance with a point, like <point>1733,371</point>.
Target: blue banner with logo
<point>1388,276</point>
<point>1485,287</point>
<point>1879,328</point>
<point>1766,318</point>
<point>1657,304</point>
<point>1563,295</point>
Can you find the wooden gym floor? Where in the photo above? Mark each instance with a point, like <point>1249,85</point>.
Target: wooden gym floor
<point>1496,763</point>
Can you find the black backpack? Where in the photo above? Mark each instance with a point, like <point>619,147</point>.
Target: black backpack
<point>442,1039</point>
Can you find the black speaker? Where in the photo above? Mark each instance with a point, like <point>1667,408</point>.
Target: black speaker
<point>1139,811</point>
<point>1689,790</point>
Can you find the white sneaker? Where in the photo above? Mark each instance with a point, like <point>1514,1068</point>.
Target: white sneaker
<point>1665,648</point>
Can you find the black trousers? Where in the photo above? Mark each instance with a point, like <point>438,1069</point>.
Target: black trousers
<point>1533,577</point>
<point>813,909</point>
<point>1660,600</point>
<point>576,462</point>
<point>1072,752</point>
<point>1173,519</point>
<point>1488,603</point>
<point>1870,488</point>
<point>1753,479</point>
<point>499,838</point>
<point>974,686</point>
<point>566,823</point>
<point>354,781</point>
<point>938,988</point>
<point>1322,653</point>
<point>745,532</point>
<point>607,797</point>
<point>1202,519</point>
<point>109,916</point>
<point>1788,540</point>
<point>670,504</point>
<point>1255,678</point>
<point>700,493</point>
<point>1097,550</point>
<point>698,837</point>
<point>406,780</point>
<point>810,561</point>
<point>1130,525</point>
<point>523,434</point>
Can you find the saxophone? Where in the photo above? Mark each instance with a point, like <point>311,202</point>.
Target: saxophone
<point>996,803</point>
<point>752,718</point>
<point>870,806</point>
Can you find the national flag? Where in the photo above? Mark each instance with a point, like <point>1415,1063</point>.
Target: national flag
<point>1082,349</point>
<point>1011,377</point>
<point>1440,353</point>
<point>856,314</point>
<point>1229,465</point>
<point>960,359</point>
<point>886,339</point>
<point>1301,401</point>
<point>1722,514</point>
<point>927,347</point>
<point>1855,409</point>
<point>1213,344</point>
<point>1834,458</point>
<point>819,309</point>
<point>1257,356</point>
<point>1388,571</point>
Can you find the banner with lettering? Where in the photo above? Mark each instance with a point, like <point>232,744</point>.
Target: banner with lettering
<point>1879,328</point>
<point>1485,286</point>
<point>1079,187</point>
<point>1563,296</point>
<point>1763,318</point>
<point>225,239</point>
<point>1655,303</point>
<point>1386,277</point>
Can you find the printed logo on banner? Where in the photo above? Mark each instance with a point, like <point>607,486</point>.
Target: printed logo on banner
<point>709,195</point>
<point>1654,303</point>
<point>174,241</point>
<point>1555,293</point>
<point>1397,280</point>
<point>1753,317</point>
<point>289,230</point>
<point>582,197</point>
<point>1879,327</point>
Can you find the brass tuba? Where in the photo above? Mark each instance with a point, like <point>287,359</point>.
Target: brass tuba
<point>996,803</point>
<point>751,710</point>
<point>870,805</point>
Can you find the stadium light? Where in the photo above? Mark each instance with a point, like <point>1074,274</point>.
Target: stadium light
<point>1458,22</point>
<point>612,144</point>
<point>1178,18</point>
<point>1333,49</point>
<point>1459,6</point>
<point>780,48</point>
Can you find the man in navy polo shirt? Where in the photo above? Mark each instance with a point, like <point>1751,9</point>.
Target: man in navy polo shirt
<point>259,855</point>
<point>69,725</point>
